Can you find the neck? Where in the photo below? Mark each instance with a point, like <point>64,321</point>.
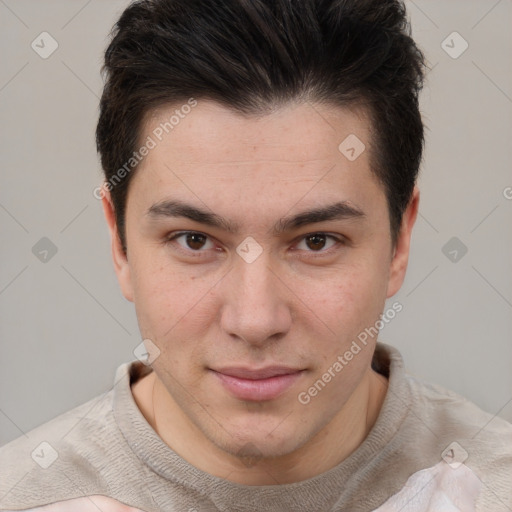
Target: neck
<point>330,446</point>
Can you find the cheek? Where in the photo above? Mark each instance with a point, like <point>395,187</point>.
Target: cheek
<point>352,300</point>
<point>168,302</point>
<point>355,293</point>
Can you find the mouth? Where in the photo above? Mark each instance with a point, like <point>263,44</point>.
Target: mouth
<point>257,384</point>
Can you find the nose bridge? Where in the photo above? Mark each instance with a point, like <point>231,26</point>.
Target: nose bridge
<point>255,278</point>
<point>255,308</point>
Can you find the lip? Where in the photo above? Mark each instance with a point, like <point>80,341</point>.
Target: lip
<point>257,384</point>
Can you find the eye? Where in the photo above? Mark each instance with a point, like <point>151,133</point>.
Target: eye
<point>318,242</point>
<point>192,241</point>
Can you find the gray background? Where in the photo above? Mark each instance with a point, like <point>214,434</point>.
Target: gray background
<point>65,326</point>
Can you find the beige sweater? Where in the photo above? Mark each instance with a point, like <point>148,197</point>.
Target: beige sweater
<point>430,450</point>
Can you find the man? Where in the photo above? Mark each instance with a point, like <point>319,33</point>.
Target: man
<point>260,164</point>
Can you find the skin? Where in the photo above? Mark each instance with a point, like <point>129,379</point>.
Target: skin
<point>300,304</point>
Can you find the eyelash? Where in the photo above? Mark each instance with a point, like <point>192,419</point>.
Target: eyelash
<point>339,241</point>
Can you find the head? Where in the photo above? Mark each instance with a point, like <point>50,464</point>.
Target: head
<point>284,138</point>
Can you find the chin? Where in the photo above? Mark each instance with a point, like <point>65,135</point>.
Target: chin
<point>267,442</point>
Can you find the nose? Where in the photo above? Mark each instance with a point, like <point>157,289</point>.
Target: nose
<point>256,306</point>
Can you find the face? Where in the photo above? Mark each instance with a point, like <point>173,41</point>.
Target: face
<point>257,253</point>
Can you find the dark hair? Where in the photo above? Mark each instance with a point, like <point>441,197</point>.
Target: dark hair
<point>253,56</point>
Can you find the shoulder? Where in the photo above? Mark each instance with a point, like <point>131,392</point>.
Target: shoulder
<point>455,413</point>
<point>467,436</point>
<point>442,412</point>
<point>36,462</point>
<point>76,454</point>
<point>430,429</point>
<point>86,504</point>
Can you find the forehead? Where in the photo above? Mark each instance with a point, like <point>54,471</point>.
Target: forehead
<point>214,154</point>
<point>293,132</point>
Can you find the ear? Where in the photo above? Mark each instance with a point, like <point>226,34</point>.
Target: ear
<point>121,265</point>
<point>401,251</point>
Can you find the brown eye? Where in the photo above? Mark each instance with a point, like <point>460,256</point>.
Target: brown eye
<point>316,242</point>
<point>195,241</point>
<point>192,241</point>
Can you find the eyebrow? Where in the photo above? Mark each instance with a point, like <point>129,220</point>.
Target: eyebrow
<point>176,208</point>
